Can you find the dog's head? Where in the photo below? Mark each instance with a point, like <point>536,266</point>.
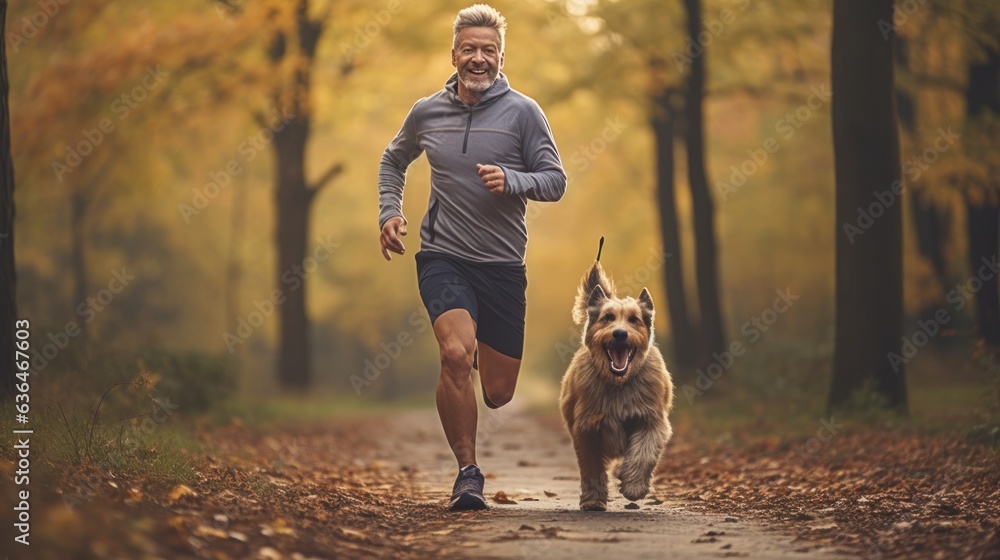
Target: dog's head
<point>618,332</point>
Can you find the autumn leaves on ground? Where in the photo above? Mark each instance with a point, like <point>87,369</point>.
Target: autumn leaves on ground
<point>298,480</point>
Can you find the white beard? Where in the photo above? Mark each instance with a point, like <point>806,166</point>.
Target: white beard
<point>479,85</point>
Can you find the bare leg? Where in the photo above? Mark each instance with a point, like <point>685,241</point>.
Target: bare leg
<point>456,400</point>
<point>499,373</point>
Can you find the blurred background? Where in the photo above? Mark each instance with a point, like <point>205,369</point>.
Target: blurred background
<point>179,161</point>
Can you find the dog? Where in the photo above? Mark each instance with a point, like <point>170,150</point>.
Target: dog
<point>616,393</point>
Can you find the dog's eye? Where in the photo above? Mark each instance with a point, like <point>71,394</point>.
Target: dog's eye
<point>609,317</point>
<point>634,320</point>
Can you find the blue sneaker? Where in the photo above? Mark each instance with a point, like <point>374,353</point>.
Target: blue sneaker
<point>468,491</point>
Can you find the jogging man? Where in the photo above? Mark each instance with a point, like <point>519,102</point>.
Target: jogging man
<point>490,150</point>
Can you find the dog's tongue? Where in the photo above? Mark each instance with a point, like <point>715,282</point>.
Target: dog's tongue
<point>619,358</point>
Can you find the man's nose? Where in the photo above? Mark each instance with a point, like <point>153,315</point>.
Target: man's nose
<point>477,56</point>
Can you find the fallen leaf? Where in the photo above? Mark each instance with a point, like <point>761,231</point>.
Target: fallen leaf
<point>703,540</point>
<point>238,536</point>
<point>180,491</point>
<point>268,553</point>
<point>501,498</point>
<point>206,532</point>
<point>550,494</point>
<point>352,533</point>
<point>279,527</point>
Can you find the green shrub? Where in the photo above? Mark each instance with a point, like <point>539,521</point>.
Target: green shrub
<point>194,381</point>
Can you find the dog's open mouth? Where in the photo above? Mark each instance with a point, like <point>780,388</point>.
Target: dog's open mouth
<point>621,357</point>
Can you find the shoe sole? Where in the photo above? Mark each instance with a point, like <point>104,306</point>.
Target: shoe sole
<point>468,502</point>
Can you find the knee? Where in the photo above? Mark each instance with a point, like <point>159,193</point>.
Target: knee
<point>499,396</point>
<point>456,360</point>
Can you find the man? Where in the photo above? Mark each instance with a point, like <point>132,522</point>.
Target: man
<point>490,150</point>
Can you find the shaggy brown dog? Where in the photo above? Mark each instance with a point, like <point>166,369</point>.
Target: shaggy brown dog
<point>616,393</point>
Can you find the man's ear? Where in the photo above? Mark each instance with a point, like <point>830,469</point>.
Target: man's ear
<point>454,59</point>
<point>500,67</point>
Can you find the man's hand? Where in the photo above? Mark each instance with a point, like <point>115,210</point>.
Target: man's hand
<point>492,177</point>
<point>393,228</point>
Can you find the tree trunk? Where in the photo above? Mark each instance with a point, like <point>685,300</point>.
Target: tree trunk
<point>706,252</point>
<point>78,256</point>
<point>984,247</point>
<point>8,273</point>
<point>293,199</point>
<point>234,264</point>
<point>929,222</point>
<point>869,266</point>
<point>931,226</point>
<point>662,122</point>
<point>982,95</point>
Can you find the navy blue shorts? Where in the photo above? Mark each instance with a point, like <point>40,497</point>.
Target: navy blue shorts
<point>492,293</point>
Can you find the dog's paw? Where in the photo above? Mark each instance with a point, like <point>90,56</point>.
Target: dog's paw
<point>593,505</point>
<point>633,491</point>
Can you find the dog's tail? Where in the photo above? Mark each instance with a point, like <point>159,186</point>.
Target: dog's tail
<point>593,278</point>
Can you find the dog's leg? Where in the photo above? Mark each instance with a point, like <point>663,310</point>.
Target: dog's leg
<point>645,446</point>
<point>593,471</point>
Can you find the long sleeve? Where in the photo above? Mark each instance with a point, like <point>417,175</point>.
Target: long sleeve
<point>545,179</point>
<point>392,169</point>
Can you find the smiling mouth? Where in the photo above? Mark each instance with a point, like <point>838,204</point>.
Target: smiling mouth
<point>478,72</point>
<point>620,358</point>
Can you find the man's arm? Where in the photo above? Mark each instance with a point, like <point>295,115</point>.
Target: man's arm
<point>391,177</point>
<point>545,179</point>
<point>392,170</point>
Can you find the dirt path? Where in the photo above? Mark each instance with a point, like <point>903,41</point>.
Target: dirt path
<point>532,462</point>
<point>376,486</point>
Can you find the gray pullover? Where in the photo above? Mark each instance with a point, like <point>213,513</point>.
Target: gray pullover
<point>504,128</point>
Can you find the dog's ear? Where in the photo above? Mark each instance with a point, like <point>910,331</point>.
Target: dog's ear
<point>646,302</point>
<point>595,277</point>
<point>597,296</point>
<point>594,303</point>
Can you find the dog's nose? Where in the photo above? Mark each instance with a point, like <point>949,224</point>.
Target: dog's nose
<point>620,334</point>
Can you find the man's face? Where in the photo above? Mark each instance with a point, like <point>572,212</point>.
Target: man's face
<point>477,57</point>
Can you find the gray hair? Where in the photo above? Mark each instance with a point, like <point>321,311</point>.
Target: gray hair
<point>480,15</point>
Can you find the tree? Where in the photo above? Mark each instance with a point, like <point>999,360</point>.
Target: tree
<point>869,267</point>
<point>8,274</point>
<point>293,194</point>
<point>983,201</point>
<point>663,122</point>
<point>641,49</point>
<point>706,251</point>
